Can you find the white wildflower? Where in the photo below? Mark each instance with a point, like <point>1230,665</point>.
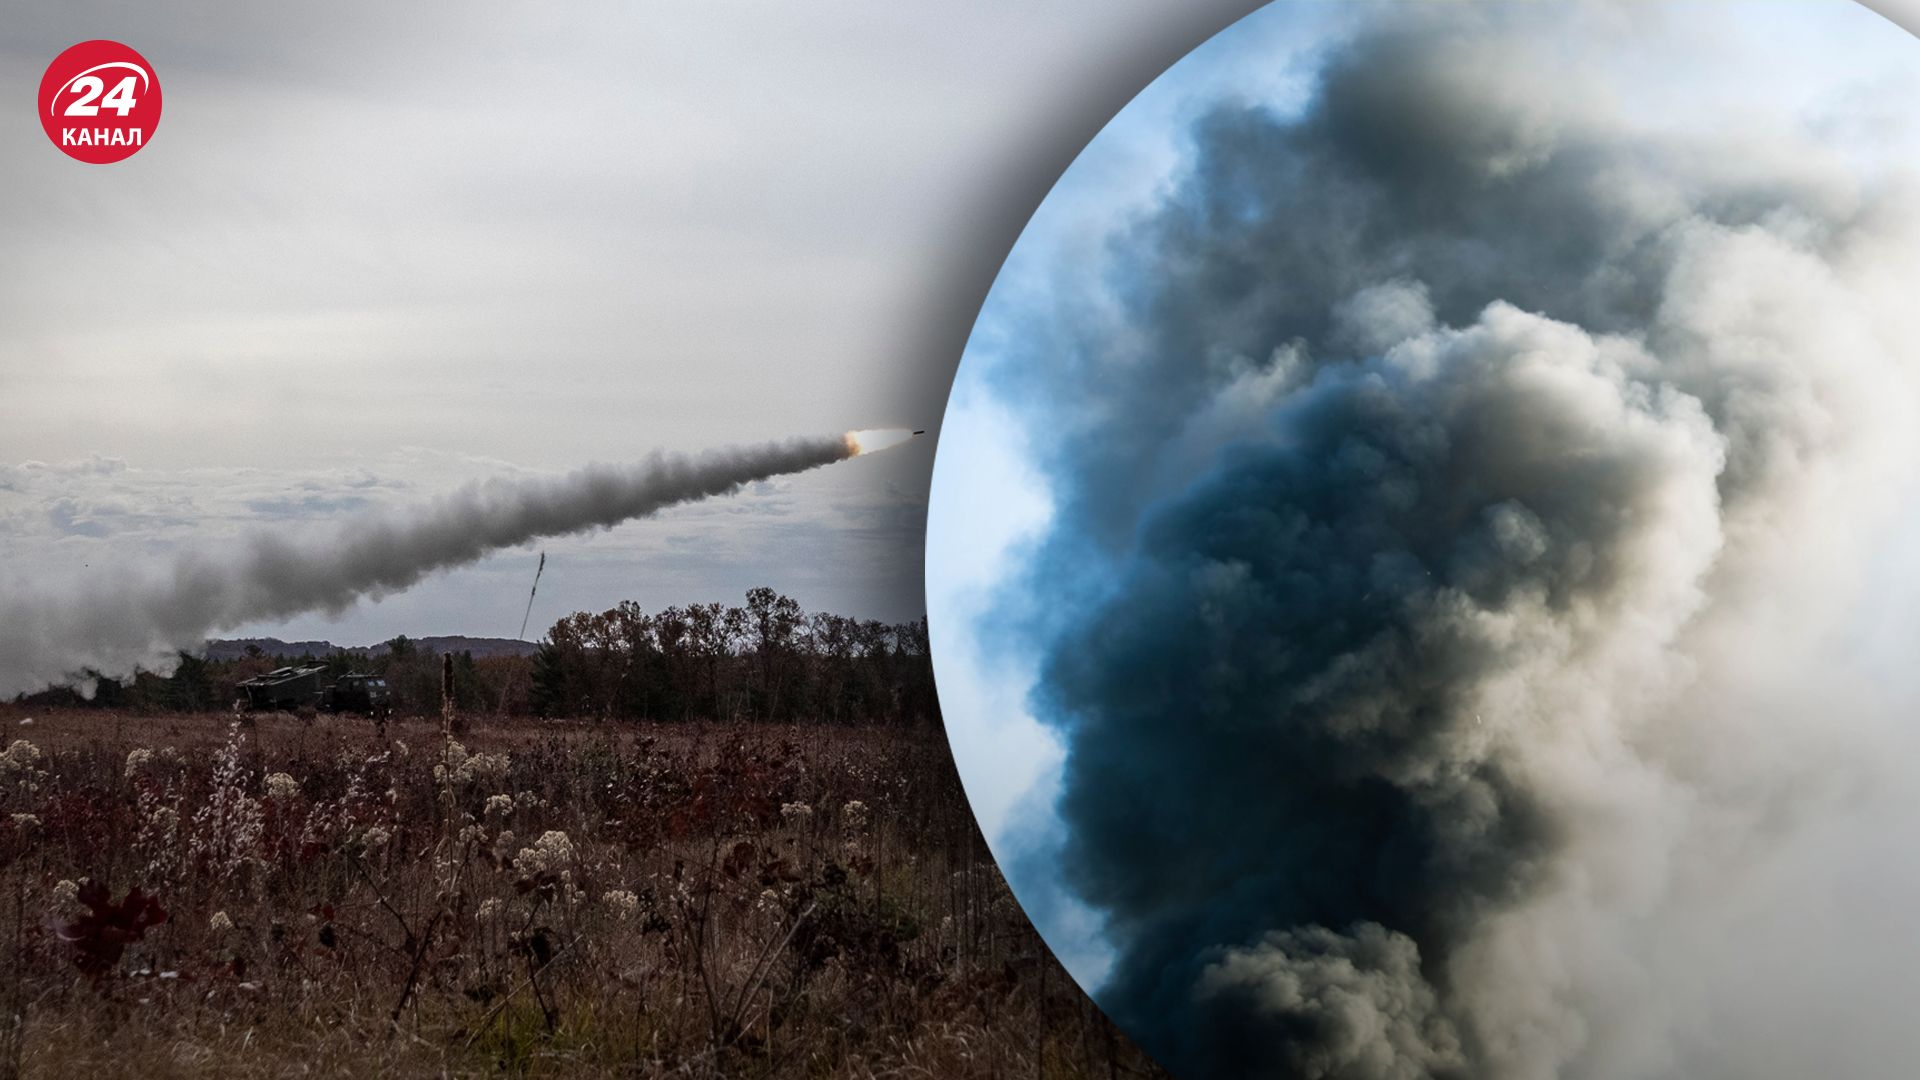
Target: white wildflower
<point>490,909</point>
<point>551,854</point>
<point>621,903</point>
<point>376,838</point>
<point>26,821</point>
<point>137,759</point>
<point>492,767</point>
<point>282,786</point>
<point>221,923</point>
<point>20,757</point>
<point>461,767</point>
<point>66,893</point>
<point>795,813</point>
<point>854,814</point>
<point>227,827</point>
<point>157,845</point>
<point>499,805</point>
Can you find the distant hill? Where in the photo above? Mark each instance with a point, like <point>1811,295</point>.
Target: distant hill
<point>235,648</point>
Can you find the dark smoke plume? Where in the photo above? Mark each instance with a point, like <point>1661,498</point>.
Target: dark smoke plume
<point>1452,454</point>
<point>132,621</point>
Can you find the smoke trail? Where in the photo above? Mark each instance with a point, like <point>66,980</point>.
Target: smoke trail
<point>120,624</point>
<point>531,593</point>
<point>1462,486</point>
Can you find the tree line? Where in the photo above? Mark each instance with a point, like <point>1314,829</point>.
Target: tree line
<point>767,659</point>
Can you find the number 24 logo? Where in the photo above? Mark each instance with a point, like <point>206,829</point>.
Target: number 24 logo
<point>91,87</point>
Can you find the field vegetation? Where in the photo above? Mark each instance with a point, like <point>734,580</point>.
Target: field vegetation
<point>187,892</point>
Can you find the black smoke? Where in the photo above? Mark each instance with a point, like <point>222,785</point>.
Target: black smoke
<point>1428,433</point>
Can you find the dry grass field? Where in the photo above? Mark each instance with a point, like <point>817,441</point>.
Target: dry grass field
<point>182,895</point>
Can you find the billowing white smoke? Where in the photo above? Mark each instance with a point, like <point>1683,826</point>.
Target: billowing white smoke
<point>1488,488</point>
<point>128,621</point>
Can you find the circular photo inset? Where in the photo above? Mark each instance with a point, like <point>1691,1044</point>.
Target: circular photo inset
<point>1421,559</point>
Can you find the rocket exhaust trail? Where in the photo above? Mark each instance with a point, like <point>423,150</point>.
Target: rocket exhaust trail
<point>531,593</point>
<point>117,624</point>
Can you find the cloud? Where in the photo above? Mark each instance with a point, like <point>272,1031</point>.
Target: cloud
<point>1356,1004</point>
<point>310,505</point>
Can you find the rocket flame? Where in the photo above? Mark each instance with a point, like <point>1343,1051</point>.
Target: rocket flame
<point>872,439</point>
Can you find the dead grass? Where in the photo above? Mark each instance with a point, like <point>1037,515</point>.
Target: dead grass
<point>532,899</point>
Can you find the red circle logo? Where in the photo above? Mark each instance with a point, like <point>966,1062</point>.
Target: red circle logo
<point>99,102</point>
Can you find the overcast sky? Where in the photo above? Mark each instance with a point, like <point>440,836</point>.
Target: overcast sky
<point>375,251</point>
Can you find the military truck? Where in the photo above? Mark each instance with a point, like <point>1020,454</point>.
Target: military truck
<point>358,693</point>
<point>287,689</point>
<point>305,687</point>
